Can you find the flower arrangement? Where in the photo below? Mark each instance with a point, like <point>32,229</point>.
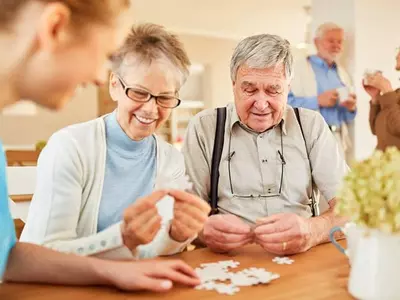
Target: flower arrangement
<point>370,192</point>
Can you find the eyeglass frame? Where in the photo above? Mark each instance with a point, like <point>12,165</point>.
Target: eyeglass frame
<point>126,88</point>
<point>283,162</point>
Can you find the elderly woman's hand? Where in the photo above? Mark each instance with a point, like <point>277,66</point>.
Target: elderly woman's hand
<point>380,82</point>
<point>190,214</point>
<point>142,221</point>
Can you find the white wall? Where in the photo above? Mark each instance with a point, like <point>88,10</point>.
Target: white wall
<point>227,18</point>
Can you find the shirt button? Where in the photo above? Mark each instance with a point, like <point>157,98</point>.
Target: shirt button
<point>92,247</point>
<point>264,161</point>
<point>80,250</point>
<point>103,243</point>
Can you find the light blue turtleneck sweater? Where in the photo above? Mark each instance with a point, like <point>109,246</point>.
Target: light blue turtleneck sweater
<point>129,174</point>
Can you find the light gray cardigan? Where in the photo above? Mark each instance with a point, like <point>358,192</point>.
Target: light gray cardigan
<point>64,211</point>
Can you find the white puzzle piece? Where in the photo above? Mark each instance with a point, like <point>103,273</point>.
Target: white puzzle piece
<point>283,260</point>
<point>217,276</point>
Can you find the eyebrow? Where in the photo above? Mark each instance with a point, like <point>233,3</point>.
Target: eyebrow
<point>247,84</point>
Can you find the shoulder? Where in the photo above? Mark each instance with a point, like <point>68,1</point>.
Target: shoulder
<point>311,121</point>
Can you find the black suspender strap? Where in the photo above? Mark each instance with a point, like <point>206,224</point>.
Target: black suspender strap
<point>314,204</point>
<point>216,158</point>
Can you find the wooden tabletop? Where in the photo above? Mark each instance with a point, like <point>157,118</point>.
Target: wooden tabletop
<point>321,273</point>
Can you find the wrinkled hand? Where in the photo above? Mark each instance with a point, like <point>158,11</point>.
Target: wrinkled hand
<point>378,81</point>
<point>328,98</point>
<point>350,103</point>
<point>142,221</point>
<point>152,275</point>
<point>283,234</point>
<point>223,233</point>
<point>190,214</point>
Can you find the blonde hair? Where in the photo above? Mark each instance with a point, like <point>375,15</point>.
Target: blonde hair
<point>150,42</point>
<point>82,11</point>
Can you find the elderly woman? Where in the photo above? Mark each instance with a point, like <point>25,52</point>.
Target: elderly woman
<point>96,192</point>
<point>384,115</point>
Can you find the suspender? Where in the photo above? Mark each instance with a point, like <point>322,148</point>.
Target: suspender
<point>216,159</point>
<point>313,204</point>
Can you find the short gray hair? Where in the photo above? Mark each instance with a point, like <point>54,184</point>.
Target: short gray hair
<point>263,51</point>
<point>326,27</point>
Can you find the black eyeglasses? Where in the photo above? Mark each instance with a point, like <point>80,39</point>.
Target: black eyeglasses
<point>283,162</point>
<point>143,96</point>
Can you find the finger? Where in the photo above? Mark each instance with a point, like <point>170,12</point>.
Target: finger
<point>270,228</point>
<point>229,246</point>
<point>222,237</point>
<point>143,204</point>
<point>185,268</point>
<point>188,221</point>
<point>276,237</point>
<point>190,199</point>
<point>269,219</point>
<point>236,227</point>
<point>151,284</point>
<point>191,211</point>
<point>179,273</point>
<point>276,248</point>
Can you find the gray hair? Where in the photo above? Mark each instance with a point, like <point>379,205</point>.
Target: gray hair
<point>326,27</point>
<point>263,51</point>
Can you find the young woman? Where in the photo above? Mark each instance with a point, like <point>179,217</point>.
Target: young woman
<point>47,48</point>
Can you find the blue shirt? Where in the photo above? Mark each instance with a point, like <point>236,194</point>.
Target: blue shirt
<point>129,172</point>
<point>327,79</point>
<point>7,229</point>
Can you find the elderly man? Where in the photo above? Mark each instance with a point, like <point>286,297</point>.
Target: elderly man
<point>321,84</point>
<point>265,185</point>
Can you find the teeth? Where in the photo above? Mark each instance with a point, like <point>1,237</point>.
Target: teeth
<point>145,120</point>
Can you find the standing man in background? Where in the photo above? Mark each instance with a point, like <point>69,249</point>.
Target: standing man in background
<point>321,84</point>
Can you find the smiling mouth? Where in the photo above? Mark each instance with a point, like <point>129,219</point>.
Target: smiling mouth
<point>144,120</point>
<point>262,115</point>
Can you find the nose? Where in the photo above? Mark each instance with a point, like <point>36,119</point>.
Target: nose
<point>261,104</point>
<point>102,75</point>
<point>150,106</point>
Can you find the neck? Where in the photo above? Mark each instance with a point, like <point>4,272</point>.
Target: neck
<point>329,62</point>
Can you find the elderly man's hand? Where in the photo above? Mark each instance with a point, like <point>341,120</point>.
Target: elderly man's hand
<point>223,233</point>
<point>142,221</point>
<point>190,214</point>
<point>350,103</point>
<point>328,98</point>
<point>283,234</point>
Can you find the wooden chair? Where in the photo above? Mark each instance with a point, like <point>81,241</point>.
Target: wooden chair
<point>22,157</point>
<point>21,186</point>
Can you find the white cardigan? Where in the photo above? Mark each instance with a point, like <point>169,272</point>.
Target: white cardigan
<point>64,211</point>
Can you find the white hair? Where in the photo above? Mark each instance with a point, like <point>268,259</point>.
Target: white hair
<point>326,27</point>
<point>263,51</point>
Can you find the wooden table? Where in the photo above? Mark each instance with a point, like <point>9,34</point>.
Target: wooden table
<point>321,273</point>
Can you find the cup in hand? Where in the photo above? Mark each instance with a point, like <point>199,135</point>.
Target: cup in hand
<point>368,73</point>
<point>344,93</point>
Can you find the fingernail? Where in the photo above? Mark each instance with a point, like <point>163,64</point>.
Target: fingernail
<point>166,284</point>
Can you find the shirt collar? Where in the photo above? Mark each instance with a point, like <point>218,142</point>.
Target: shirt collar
<point>320,62</point>
<point>235,120</point>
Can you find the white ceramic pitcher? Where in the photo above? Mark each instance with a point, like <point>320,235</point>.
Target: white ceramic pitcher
<point>375,270</point>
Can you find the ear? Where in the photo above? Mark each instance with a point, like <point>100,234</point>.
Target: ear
<point>113,86</point>
<point>54,26</point>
